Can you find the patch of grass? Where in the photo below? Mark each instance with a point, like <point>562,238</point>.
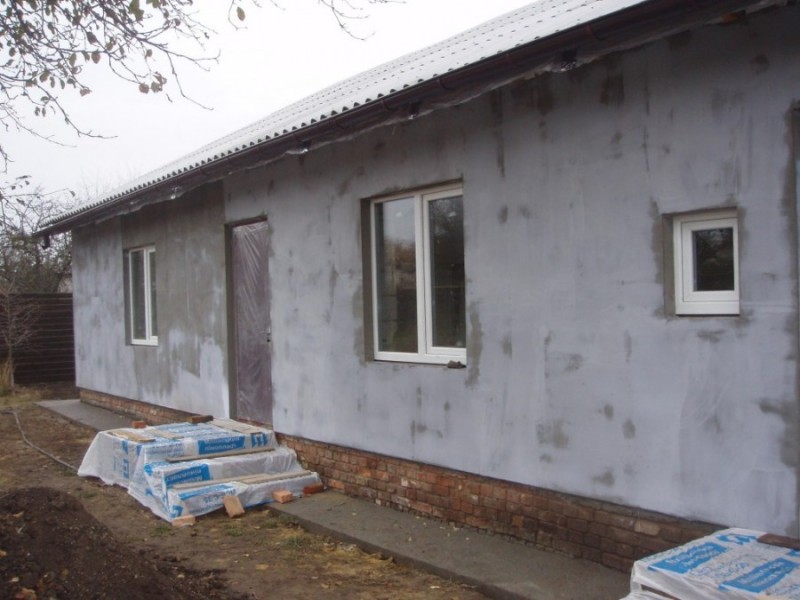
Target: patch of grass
<point>19,396</point>
<point>270,523</point>
<point>85,494</point>
<point>288,521</point>
<point>162,530</point>
<point>300,541</point>
<point>233,529</point>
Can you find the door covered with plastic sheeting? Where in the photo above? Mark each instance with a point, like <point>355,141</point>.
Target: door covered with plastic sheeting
<point>249,281</point>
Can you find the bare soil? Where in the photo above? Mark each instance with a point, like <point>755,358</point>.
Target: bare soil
<point>65,537</point>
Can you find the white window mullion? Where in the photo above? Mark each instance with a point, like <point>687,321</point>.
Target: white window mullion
<point>140,296</point>
<point>148,296</point>
<point>375,291</point>
<point>131,295</point>
<point>422,292</point>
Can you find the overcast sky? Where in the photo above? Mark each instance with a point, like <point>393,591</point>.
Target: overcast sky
<point>282,55</point>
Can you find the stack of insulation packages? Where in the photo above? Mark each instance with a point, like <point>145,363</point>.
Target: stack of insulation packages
<point>185,469</point>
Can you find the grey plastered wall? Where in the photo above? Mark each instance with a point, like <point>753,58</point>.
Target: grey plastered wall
<point>187,370</point>
<point>579,379</point>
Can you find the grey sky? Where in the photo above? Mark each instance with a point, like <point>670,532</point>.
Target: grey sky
<point>282,55</point>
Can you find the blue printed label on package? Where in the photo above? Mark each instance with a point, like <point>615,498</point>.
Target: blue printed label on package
<point>690,559</point>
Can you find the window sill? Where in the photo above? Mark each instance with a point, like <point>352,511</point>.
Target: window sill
<point>150,343</point>
<point>451,362</point>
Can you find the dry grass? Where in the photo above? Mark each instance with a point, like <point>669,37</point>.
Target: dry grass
<point>19,396</point>
<point>6,378</point>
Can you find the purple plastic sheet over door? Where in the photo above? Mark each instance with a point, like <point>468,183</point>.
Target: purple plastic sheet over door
<point>250,281</point>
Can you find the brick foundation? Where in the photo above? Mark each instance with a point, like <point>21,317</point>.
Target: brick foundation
<point>152,414</point>
<point>602,532</point>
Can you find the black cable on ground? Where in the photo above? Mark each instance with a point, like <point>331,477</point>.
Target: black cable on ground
<point>34,446</point>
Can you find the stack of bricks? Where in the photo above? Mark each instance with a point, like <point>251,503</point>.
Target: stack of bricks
<point>602,532</point>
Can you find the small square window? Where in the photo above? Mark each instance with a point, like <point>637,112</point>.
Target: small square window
<point>706,263</point>
<point>141,287</point>
<point>418,277</point>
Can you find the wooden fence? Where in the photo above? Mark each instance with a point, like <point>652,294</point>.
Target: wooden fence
<point>49,355</point>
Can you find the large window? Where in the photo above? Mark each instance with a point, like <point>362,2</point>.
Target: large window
<point>142,321</point>
<point>418,277</point>
<point>706,263</point>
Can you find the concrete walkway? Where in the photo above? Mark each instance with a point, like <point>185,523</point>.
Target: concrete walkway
<point>495,566</point>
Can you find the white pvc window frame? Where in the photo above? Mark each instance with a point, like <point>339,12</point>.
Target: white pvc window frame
<point>426,352</point>
<point>688,300</point>
<point>147,256</point>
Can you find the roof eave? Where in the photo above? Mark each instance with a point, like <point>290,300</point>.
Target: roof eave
<point>629,27</point>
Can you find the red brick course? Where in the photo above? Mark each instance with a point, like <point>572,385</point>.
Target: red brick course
<point>152,414</point>
<point>602,532</point>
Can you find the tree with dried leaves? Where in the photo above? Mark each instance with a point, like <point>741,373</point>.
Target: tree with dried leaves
<point>27,267</point>
<point>46,47</point>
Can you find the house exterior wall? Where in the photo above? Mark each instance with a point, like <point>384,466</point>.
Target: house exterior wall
<point>579,378</point>
<point>187,370</point>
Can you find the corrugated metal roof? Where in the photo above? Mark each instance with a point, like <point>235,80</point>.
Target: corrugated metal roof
<point>533,22</point>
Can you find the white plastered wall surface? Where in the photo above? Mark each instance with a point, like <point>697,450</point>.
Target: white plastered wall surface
<point>187,369</point>
<point>578,378</point>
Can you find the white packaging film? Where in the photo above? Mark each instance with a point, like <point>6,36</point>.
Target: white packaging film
<point>136,459</point>
<point>728,565</point>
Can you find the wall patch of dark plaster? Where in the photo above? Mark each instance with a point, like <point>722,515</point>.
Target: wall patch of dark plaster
<point>343,187</point>
<point>332,279</point>
<point>628,347</point>
<point>657,244</point>
<point>359,341</point>
<point>616,145</point>
<point>787,413</point>
<point>502,215</point>
<point>508,348</point>
<point>713,336</point>
<point>724,102</point>
<point>574,362</point>
<point>612,91</point>
<point>552,434</point>
<point>608,411</point>
<point>606,478</point>
<point>543,94</point>
<point>629,430</point>
<point>421,428</point>
<point>535,93</point>
<point>525,212</point>
<point>475,345</point>
<point>546,458</point>
<point>496,106</point>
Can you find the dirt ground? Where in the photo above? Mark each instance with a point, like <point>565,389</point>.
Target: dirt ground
<point>65,537</point>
